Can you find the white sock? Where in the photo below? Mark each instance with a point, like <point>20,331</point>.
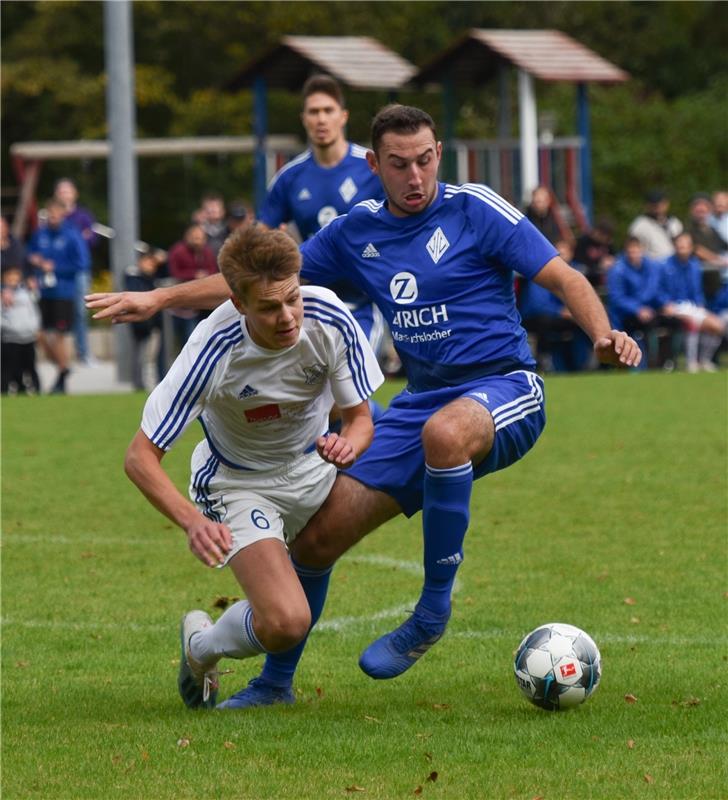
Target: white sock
<point>691,346</point>
<point>232,636</point>
<point>709,343</point>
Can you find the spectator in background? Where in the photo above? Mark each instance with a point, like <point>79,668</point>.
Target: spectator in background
<point>709,246</point>
<point>66,193</point>
<point>147,336</point>
<point>188,259</point>
<point>58,252</point>
<point>212,216</point>
<point>719,217</point>
<point>595,250</point>
<point>561,345</point>
<point>12,251</point>
<point>19,328</point>
<point>655,229</point>
<point>238,216</point>
<point>682,298</point>
<point>634,300</point>
<point>545,213</point>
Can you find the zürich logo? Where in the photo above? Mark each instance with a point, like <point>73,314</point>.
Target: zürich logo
<point>315,374</point>
<point>248,391</point>
<point>347,190</point>
<point>403,288</point>
<point>437,245</point>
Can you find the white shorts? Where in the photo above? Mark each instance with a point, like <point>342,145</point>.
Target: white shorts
<point>260,504</point>
<point>689,311</point>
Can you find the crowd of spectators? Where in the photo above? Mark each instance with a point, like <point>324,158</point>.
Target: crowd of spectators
<point>666,284</point>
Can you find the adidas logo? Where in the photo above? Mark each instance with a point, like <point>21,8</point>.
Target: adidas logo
<point>304,194</point>
<point>452,560</point>
<point>248,391</point>
<point>370,251</point>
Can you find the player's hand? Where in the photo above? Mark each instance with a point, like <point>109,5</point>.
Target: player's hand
<point>123,306</point>
<point>336,450</point>
<point>209,541</point>
<point>618,349</point>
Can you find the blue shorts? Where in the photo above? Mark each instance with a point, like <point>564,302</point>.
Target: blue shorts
<point>395,461</point>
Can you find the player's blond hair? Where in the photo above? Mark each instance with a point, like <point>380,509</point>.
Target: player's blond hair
<point>255,254</point>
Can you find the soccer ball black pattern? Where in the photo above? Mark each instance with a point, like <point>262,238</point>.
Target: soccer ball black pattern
<point>557,666</point>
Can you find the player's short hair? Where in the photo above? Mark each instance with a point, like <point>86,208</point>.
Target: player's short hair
<point>630,240</point>
<point>324,84</point>
<point>256,254</point>
<point>400,119</point>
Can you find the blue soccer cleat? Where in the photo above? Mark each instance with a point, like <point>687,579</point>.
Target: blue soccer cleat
<point>259,693</point>
<point>197,682</point>
<point>395,652</point>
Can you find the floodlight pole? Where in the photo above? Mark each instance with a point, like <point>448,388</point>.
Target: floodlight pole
<point>123,197</point>
<point>529,134</point>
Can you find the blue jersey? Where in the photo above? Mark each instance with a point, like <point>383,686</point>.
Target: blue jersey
<point>311,195</point>
<point>681,280</point>
<point>69,252</point>
<point>443,279</point>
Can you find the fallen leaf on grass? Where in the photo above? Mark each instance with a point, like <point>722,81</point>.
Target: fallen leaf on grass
<point>634,620</point>
<point>22,664</point>
<point>649,778</point>
<point>441,706</point>
<point>630,601</point>
<point>630,698</point>
<point>687,702</point>
<point>418,791</point>
<point>229,745</point>
<point>223,601</point>
<point>88,554</point>
<point>355,789</point>
<point>144,756</point>
<point>432,777</point>
<point>182,743</point>
<point>428,756</point>
<point>372,719</point>
<point>630,744</point>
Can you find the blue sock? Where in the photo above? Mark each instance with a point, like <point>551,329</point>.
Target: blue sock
<point>445,517</point>
<point>279,668</point>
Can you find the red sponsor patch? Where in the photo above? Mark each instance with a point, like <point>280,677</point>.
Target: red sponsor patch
<point>567,670</point>
<point>263,413</point>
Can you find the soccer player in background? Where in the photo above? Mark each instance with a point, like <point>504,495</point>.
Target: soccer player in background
<point>326,180</point>
<point>443,278</point>
<point>259,374</point>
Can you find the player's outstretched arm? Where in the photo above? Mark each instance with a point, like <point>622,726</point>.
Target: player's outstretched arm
<point>357,431</point>
<point>208,540</point>
<point>119,307</point>
<point>610,346</point>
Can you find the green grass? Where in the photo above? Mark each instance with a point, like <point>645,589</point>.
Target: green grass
<point>623,497</point>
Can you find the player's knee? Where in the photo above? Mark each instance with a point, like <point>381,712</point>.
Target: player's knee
<point>316,547</point>
<point>283,629</point>
<point>443,441</point>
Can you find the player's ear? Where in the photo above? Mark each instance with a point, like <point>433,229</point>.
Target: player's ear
<point>372,161</point>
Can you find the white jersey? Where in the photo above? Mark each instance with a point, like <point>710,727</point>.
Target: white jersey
<point>262,408</point>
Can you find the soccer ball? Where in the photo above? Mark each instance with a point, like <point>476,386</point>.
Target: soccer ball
<point>557,666</point>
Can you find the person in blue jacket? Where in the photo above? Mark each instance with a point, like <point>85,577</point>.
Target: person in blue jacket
<point>682,299</point>
<point>58,253</point>
<point>635,304</point>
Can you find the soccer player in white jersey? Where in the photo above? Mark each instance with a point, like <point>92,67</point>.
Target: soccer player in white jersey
<point>326,180</point>
<point>443,277</point>
<point>259,373</point>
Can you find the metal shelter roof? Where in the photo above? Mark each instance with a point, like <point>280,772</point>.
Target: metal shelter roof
<point>359,62</point>
<point>545,54</point>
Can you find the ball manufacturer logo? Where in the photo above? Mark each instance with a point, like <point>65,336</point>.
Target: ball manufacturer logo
<point>403,288</point>
<point>567,670</point>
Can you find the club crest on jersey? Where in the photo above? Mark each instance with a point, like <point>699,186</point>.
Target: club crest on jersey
<point>348,189</point>
<point>325,215</point>
<point>247,391</point>
<point>437,245</point>
<point>315,374</point>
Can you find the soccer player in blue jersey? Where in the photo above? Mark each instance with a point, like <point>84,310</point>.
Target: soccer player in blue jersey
<point>443,277</point>
<point>326,180</point>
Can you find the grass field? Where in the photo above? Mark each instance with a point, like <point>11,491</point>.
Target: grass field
<point>616,522</point>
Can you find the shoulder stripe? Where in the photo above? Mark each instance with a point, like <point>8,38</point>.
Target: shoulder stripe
<point>340,319</point>
<point>294,162</point>
<point>179,410</point>
<point>372,205</point>
<point>358,151</point>
<point>488,196</point>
